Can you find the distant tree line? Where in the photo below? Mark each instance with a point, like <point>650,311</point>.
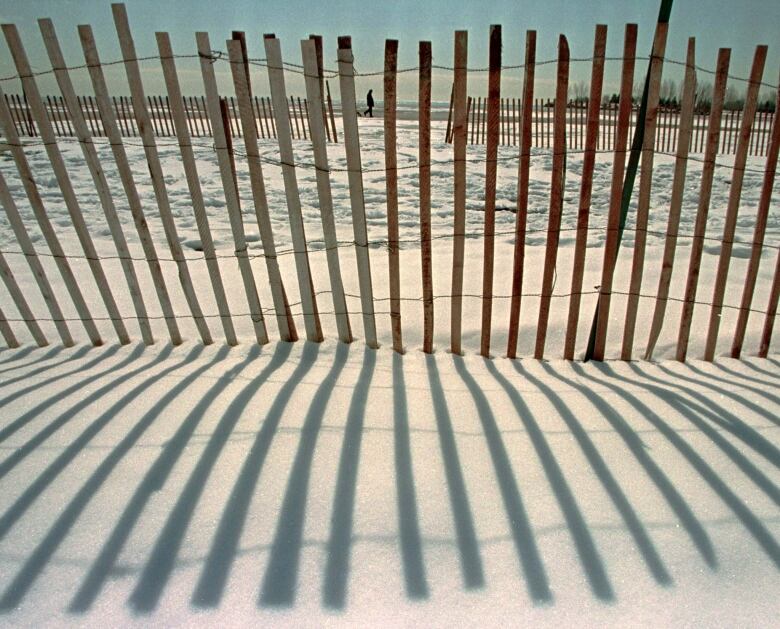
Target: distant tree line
<point>670,96</point>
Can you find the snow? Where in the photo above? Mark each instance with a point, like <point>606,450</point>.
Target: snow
<point>329,484</point>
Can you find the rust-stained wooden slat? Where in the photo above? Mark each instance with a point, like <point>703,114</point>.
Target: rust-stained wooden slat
<point>424,157</point>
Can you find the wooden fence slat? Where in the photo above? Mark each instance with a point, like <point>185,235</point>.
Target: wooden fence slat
<point>7,332</point>
<point>675,205</point>
<point>294,117</point>
<point>330,109</point>
<point>189,163</point>
<point>126,176</point>
<point>645,188</point>
<point>155,169</point>
<point>311,318</point>
<point>424,159</point>
<point>224,160</point>
<point>448,132</point>
<point>588,166</point>
<point>52,116</point>
<point>762,215</point>
<point>243,89</point>
<point>317,39</point>
<point>63,180</point>
<point>303,119</point>
<point>21,304</point>
<point>305,115</point>
<point>523,172</point>
<point>355,177</point>
<point>23,238</point>
<point>9,102</point>
<point>98,176</point>
<point>612,240</point>
<point>272,116</point>
<point>391,182</point>
<point>771,310</point>
<point>459,135</point>
<point>318,125</point>
<point>556,195</point>
<point>265,119</point>
<point>493,114</point>
<point>708,169</point>
<point>258,120</point>
<point>471,126</point>
<point>735,192</point>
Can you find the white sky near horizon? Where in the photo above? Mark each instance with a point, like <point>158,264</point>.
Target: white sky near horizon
<point>714,23</point>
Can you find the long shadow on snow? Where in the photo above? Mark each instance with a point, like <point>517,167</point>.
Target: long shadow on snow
<point>339,548</point>
<point>468,545</point>
<point>162,561</point>
<point>59,531</point>
<point>158,474</point>
<point>522,533</point>
<point>743,513</point>
<point>20,354</point>
<point>634,443</point>
<point>600,468</point>
<point>79,353</point>
<point>84,402</point>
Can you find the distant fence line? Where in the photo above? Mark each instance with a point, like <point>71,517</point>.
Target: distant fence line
<point>222,116</point>
<point>668,125</point>
<point>159,108</point>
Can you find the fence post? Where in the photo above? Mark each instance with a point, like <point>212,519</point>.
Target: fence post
<point>193,183</point>
<point>126,176</point>
<point>612,241</point>
<point>675,205</point>
<point>355,177</point>
<point>735,192</point>
<point>391,185</point>
<point>317,126</point>
<point>697,244</point>
<point>155,169</point>
<point>493,111</point>
<point>424,159</point>
<point>762,215</point>
<point>523,172</point>
<point>556,195</point>
<point>98,176</point>
<point>311,317</point>
<point>588,165</point>
<point>284,318</point>
<point>645,187</point>
<point>459,131</point>
<point>63,180</point>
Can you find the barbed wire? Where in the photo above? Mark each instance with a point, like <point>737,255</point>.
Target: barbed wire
<point>329,73</point>
<point>270,311</point>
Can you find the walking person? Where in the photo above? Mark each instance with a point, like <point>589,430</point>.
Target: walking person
<point>370,103</point>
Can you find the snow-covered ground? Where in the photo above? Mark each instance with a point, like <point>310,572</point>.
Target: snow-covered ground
<point>321,484</point>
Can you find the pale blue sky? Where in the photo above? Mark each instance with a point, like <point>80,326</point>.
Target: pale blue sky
<point>739,25</point>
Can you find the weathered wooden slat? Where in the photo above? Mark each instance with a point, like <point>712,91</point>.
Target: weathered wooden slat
<point>493,113</point>
<point>226,171</point>
<point>523,174</point>
<point>448,132</point>
<point>311,318</point>
<point>318,125</point>
<point>424,160</point>
<point>675,205</point>
<point>98,176</point>
<point>38,111</point>
<point>735,192</point>
<point>7,332</point>
<point>391,185</point>
<point>707,173</point>
<point>28,249</point>
<point>645,188</point>
<point>317,39</point>
<point>332,117</point>
<point>155,169</point>
<point>284,319</point>
<point>612,240</point>
<point>189,163</point>
<point>126,177</point>
<point>21,304</point>
<point>556,195</point>
<point>459,139</point>
<point>588,165</point>
<point>762,215</point>
<point>771,311</point>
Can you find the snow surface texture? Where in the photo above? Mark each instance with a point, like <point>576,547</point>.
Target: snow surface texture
<point>307,485</point>
<point>331,484</point>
